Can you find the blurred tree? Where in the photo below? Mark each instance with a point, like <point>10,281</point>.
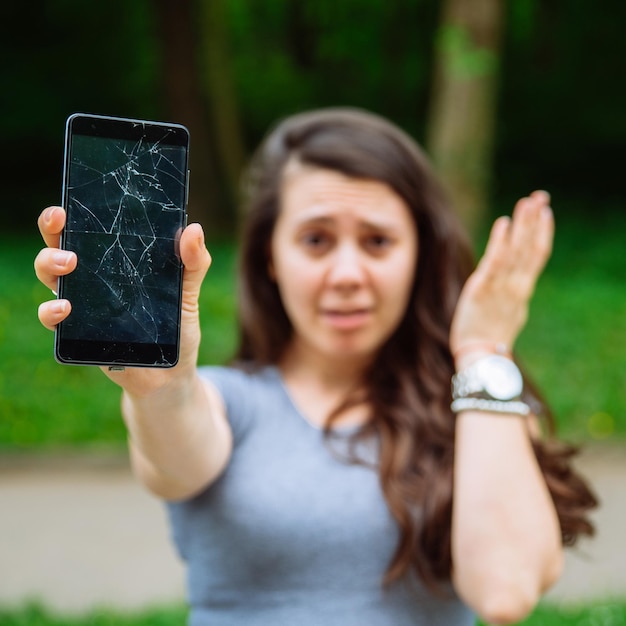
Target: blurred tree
<point>59,58</point>
<point>186,102</point>
<point>560,122</point>
<point>462,116</point>
<point>216,82</point>
<point>290,56</point>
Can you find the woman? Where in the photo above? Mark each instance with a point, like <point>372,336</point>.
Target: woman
<point>325,478</point>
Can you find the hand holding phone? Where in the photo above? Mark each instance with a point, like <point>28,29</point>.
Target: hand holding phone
<point>125,193</point>
<point>139,382</point>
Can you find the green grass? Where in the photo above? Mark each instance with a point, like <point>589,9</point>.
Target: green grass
<point>574,345</point>
<point>35,615</point>
<point>597,614</point>
<point>47,405</point>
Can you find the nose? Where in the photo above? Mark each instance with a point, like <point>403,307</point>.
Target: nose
<point>347,269</point>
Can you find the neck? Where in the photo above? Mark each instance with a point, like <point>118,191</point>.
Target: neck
<point>319,385</point>
<point>338,374</point>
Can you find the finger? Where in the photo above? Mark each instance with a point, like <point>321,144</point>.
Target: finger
<point>533,231</point>
<point>495,255</point>
<point>542,195</point>
<point>544,239</point>
<point>52,312</point>
<point>196,260</point>
<point>527,218</point>
<point>51,263</point>
<point>51,222</point>
<point>524,218</point>
<point>545,223</point>
<point>531,241</point>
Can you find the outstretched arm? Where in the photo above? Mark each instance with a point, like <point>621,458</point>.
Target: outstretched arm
<point>179,436</point>
<point>506,541</point>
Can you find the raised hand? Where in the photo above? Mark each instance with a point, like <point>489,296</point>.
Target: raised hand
<point>493,305</point>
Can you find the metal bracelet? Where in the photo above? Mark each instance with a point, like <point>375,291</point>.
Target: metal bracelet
<point>490,406</point>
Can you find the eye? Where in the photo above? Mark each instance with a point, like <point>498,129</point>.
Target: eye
<point>377,243</point>
<point>315,241</point>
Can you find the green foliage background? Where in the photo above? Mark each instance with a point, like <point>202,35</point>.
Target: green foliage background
<point>560,121</point>
<point>560,126</point>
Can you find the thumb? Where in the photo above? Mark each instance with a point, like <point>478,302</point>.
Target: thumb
<point>196,260</point>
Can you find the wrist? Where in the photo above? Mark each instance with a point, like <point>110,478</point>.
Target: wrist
<point>492,383</point>
<point>470,352</point>
<point>173,392</point>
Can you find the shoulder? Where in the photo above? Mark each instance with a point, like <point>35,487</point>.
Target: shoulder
<point>244,389</point>
<point>239,378</point>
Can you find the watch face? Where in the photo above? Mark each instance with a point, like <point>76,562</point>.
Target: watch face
<point>501,377</point>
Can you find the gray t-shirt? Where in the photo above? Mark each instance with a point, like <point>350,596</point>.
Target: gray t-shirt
<point>290,534</point>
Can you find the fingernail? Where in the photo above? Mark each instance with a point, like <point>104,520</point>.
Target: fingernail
<point>546,193</point>
<point>58,307</point>
<point>49,213</point>
<point>202,244</point>
<point>61,258</point>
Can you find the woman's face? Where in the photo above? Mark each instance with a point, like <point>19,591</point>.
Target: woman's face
<point>343,255</point>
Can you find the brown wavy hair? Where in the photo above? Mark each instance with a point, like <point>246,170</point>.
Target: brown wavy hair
<point>407,387</point>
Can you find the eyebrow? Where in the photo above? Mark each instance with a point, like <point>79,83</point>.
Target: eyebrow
<point>323,220</point>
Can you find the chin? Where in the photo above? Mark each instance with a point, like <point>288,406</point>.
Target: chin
<point>353,351</point>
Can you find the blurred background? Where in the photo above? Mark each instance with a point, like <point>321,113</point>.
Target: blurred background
<point>505,97</point>
<point>533,90</point>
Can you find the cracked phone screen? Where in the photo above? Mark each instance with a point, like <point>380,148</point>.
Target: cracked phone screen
<point>125,212</point>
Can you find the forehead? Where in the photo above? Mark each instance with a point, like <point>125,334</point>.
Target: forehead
<point>313,193</point>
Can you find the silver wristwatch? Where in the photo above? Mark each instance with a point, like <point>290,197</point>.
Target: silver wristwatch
<point>493,383</point>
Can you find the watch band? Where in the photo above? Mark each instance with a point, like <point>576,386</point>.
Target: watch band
<point>514,407</point>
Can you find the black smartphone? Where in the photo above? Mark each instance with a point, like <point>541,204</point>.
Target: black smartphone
<point>125,189</point>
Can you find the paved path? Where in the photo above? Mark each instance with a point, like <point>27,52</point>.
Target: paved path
<point>82,534</point>
<point>79,535</point>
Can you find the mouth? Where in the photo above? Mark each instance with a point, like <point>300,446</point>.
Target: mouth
<point>349,319</point>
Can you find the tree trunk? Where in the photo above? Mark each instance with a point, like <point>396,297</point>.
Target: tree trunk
<point>463,106</point>
<point>217,83</point>
<point>184,103</point>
